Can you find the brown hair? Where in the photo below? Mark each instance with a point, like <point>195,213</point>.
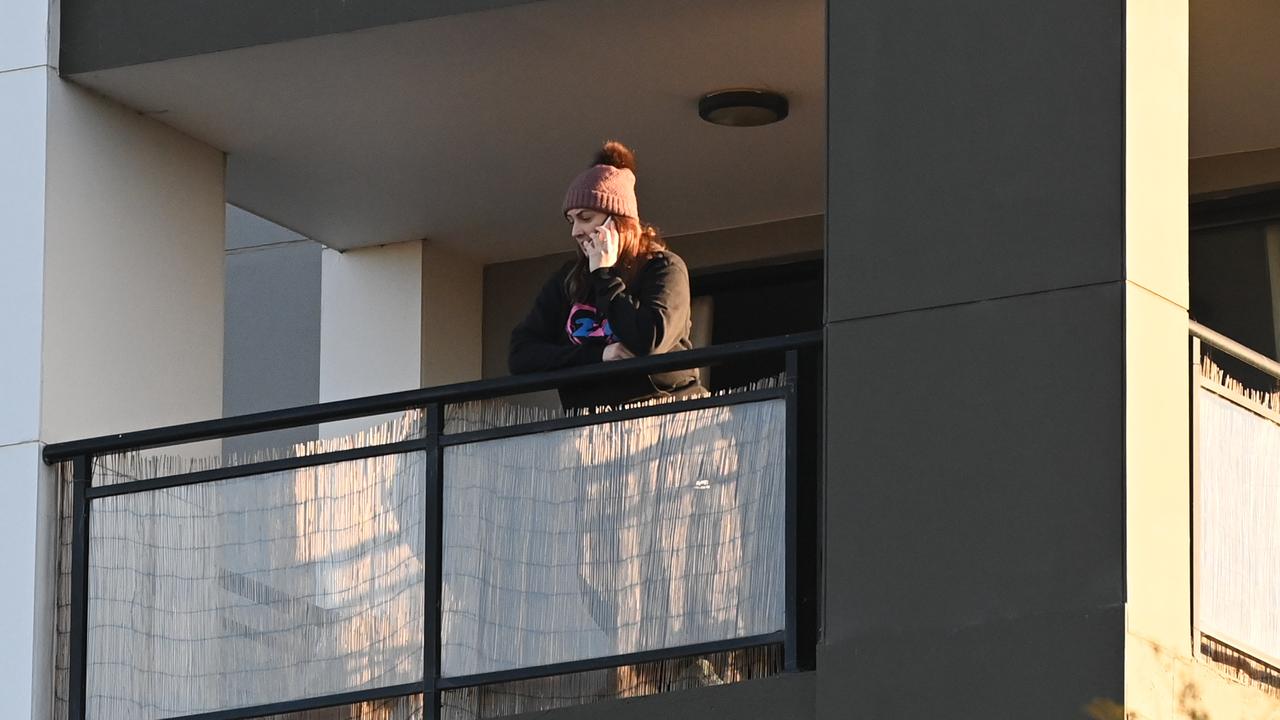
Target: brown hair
<point>637,242</point>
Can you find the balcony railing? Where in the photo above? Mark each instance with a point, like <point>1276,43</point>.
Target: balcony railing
<point>456,546</point>
<point>1235,421</point>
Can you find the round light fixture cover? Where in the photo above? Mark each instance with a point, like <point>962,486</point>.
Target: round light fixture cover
<point>743,108</point>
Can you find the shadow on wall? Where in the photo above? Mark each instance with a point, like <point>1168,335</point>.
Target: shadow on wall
<point>1189,707</point>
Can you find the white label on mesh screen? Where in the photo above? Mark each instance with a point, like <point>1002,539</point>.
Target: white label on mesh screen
<point>615,538</point>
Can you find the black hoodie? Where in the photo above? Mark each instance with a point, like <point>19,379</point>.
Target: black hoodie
<point>650,317</point>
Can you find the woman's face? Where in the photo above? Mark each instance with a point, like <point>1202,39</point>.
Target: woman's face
<point>583,221</point>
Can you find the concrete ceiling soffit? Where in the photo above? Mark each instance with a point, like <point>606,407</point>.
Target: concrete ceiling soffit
<point>466,129</point>
<point>1234,77</point>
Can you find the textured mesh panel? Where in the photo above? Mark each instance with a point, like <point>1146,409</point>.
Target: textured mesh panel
<point>62,619</point>
<point>502,699</point>
<point>257,589</point>
<point>114,468</point>
<point>614,538</point>
<point>1239,513</point>
<point>403,708</point>
<point>310,582</point>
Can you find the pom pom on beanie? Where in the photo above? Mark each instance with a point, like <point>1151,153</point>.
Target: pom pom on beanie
<point>618,155</point>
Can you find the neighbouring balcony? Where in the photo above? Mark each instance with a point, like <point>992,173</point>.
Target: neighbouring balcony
<point>1235,420</point>
<point>448,559</point>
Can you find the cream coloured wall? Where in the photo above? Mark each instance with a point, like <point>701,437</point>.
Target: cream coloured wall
<point>370,325</point>
<point>133,271</point>
<point>1156,148</point>
<point>1158,539</point>
<point>131,326</point>
<point>110,307</point>
<point>452,316</point>
<point>1165,676</point>
<point>396,317</point>
<point>1169,685</point>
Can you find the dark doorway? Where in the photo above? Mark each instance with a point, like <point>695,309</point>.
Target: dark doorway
<point>1234,269</point>
<point>759,302</point>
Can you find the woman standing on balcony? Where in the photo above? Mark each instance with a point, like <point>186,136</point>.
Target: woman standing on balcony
<point>624,295</point>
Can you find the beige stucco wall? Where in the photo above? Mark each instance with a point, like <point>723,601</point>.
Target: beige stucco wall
<point>1164,683</point>
<point>370,326</point>
<point>134,234</point>
<point>1165,676</point>
<point>119,251</point>
<point>452,316</point>
<point>417,303</point>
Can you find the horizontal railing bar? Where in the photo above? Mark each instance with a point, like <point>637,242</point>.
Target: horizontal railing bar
<point>1235,349</point>
<point>612,661</point>
<point>259,468</point>
<point>316,703</point>
<point>632,413</point>
<point>393,402</point>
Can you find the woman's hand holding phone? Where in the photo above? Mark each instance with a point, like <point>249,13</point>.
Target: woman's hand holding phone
<point>601,247</point>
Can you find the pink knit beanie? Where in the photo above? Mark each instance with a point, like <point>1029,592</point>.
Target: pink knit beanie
<point>608,186</point>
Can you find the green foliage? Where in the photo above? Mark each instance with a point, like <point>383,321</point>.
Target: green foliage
<point>1188,707</point>
<point>1106,709</point>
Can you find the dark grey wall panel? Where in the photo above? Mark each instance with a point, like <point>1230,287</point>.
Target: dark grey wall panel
<point>102,34</point>
<point>976,463</point>
<point>1046,667</point>
<point>271,351</point>
<point>976,150</point>
<point>784,697</point>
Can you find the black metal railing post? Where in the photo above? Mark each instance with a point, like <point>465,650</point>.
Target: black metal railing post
<point>433,557</point>
<point>81,474</point>
<point>791,646</point>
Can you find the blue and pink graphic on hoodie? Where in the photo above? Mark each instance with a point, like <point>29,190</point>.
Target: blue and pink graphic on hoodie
<point>585,322</point>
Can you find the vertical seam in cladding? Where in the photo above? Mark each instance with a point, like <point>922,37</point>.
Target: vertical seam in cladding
<point>824,438</point>
<point>1124,315</point>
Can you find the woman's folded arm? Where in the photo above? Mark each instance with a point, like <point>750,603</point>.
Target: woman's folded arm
<point>651,317</point>
<point>537,342</point>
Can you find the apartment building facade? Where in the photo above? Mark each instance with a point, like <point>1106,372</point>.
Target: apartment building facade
<point>966,254</point>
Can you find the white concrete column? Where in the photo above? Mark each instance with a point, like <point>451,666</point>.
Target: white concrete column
<point>397,317</point>
<point>370,325</point>
<point>110,307</point>
<point>1158,650</point>
<point>25,613</point>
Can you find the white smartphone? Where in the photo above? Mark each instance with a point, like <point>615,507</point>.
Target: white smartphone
<point>608,222</point>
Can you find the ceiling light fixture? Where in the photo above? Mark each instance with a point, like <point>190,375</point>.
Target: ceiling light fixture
<point>743,108</point>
